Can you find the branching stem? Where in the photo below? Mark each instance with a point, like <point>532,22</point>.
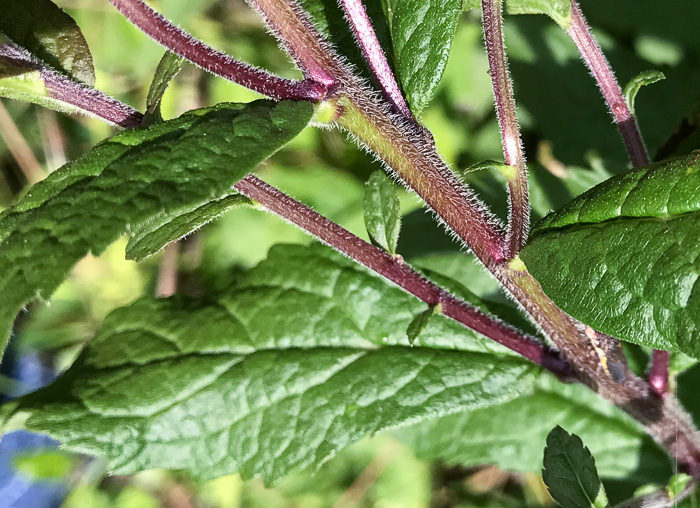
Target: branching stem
<point>397,271</point>
<point>519,215</point>
<point>412,157</point>
<point>383,264</point>
<point>374,55</point>
<point>594,58</point>
<point>176,40</point>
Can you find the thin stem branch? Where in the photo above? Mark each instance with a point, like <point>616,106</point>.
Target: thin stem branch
<point>519,216</point>
<point>612,93</point>
<point>594,58</point>
<point>399,273</point>
<point>178,41</point>
<point>374,55</point>
<point>65,90</point>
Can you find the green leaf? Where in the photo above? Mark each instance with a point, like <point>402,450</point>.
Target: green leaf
<point>422,32</point>
<point>129,183</point>
<point>382,211</point>
<point>167,69</point>
<point>305,355</point>
<point>636,83</point>
<point>677,484</point>
<point>569,472</point>
<point>624,256</point>
<point>418,324</point>
<point>50,35</point>
<point>512,435</point>
<point>155,235</point>
<point>558,10</point>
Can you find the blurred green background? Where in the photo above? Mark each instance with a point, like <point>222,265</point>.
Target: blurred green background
<point>570,141</point>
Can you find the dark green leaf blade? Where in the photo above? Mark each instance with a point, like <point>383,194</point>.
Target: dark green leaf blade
<point>134,179</point>
<point>382,211</point>
<point>623,257</point>
<point>50,35</point>
<point>569,472</point>
<point>154,236</point>
<point>422,32</point>
<point>305,355</point>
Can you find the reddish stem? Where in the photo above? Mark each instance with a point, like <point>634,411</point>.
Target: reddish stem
<point>400,274</point>
<point>629,129</point>
<point>519,215</point>
<point>63,89</point>
<point>176,40</point>
<point>374,55</point>
<point>297,34</point>
<point>612,93</point>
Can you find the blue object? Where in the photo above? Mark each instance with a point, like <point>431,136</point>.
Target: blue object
<point>17,491</point>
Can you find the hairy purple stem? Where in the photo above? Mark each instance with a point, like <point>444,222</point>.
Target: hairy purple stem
<point>519,215</point>
<point>629,129</point>
<point>374,55</point>
<point>294,30</point>
<point>63,89</point>
<point>612,93</point>
<point>401,274</point>
<point>176,40</point>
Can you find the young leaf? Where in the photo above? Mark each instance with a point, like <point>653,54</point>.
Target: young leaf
<point>558,10</point>
<point>623,257</point>
<point>382,211</point>
<point>636,83</point>
<point>569,472</point>
<point>167,69</point>
<point>513,435</point>
<point>422,32</point>
<point>49,35</point>
<point>130,182</point>
<point>155,235</point>
<point>305,355</point>
<point>418,324</point>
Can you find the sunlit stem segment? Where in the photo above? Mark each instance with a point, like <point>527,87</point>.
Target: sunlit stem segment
<point>413,158</point>
<point>519,217</point>
<point>373,53</point>
<point>397,271</point>
<point>594,58</point>
<point>629,129</point>
<point>176,40</point>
